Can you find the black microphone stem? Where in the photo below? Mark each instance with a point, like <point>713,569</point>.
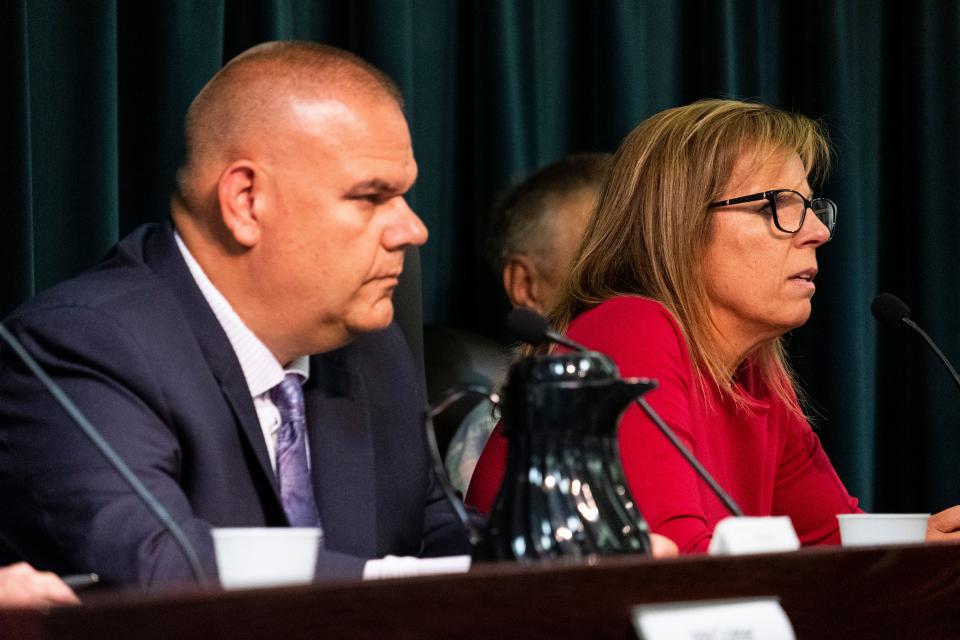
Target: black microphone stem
<point>565,341</point>
<point>112,457</point>
<point>439,469</point>
<point>936,350</point>
<point>728,502</point>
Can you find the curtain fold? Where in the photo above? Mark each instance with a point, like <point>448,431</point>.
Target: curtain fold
<point>496,88</point>
<point>17,277</point>
<point>72,135</point>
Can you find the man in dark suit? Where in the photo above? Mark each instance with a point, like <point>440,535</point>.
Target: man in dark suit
<point>241,358</point>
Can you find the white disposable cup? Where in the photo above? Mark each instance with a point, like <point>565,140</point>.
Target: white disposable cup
<point>864,529</point>
<point>265,556</point>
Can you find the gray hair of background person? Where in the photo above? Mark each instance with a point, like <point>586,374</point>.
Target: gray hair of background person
<point>521,220</point>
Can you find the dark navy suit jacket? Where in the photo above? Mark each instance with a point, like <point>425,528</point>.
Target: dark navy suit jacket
<point>135,345</point>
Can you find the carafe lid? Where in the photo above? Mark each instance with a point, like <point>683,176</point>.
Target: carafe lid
<point>563,367</point>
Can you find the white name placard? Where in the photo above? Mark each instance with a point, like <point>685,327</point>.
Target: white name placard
<point>752,619</point>
<point>735,536</point>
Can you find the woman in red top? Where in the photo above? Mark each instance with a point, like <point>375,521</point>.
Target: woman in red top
<point>700,256</point>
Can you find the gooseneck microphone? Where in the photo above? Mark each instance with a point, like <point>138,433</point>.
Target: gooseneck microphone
<point>893,312</point>
<point>115,461</point>
<point>529,326</point>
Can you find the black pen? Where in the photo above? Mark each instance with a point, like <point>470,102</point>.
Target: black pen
<point>79,581</point>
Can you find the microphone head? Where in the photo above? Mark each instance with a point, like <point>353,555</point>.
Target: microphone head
<point>889,310</point>
<point>528,326</point>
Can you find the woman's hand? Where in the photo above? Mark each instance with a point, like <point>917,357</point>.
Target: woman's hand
<point>23,586</point>
<point>944,526</point>
<point>663,547</point>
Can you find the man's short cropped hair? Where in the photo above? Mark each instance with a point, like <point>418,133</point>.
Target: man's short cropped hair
<point>242,95</point>
<point>521,213</point>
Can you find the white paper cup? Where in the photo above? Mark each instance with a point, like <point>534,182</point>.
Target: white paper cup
<point>864,529</point>
<point>264,557</point>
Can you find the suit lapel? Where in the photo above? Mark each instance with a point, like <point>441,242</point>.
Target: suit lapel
<point>341,454</point>
<point>163,256</point>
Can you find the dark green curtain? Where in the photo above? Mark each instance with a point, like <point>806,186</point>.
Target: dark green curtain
<point>96,92</point>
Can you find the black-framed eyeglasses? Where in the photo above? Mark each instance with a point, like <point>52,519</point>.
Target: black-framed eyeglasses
<point>789,208</point>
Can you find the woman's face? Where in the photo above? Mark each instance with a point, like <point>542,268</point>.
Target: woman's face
<point>758,279</point>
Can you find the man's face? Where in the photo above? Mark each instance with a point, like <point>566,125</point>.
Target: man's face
<point>568,217</point>
<point>335,223</point>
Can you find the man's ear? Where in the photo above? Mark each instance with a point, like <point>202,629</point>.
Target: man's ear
<point>521,281</point>
<point>237,193</point>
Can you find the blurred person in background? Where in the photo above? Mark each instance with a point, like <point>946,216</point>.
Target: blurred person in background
<point>537,226</point>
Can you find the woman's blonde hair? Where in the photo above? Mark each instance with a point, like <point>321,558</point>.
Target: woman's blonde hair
<point>651,226</point>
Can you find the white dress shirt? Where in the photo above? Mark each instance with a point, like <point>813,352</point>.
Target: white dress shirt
<point>260,368</point>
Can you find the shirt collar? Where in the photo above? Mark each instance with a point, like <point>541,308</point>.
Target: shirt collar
<point>261,369</point>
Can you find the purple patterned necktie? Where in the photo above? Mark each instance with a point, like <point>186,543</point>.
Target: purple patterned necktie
<point>296,488</point>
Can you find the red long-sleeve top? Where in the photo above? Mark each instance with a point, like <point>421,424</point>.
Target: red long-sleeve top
<point>766,457</point>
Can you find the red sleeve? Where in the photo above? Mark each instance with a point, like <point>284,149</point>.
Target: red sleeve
<point>808,488</point>
<point>488,474</point>
<point>643,339</point>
